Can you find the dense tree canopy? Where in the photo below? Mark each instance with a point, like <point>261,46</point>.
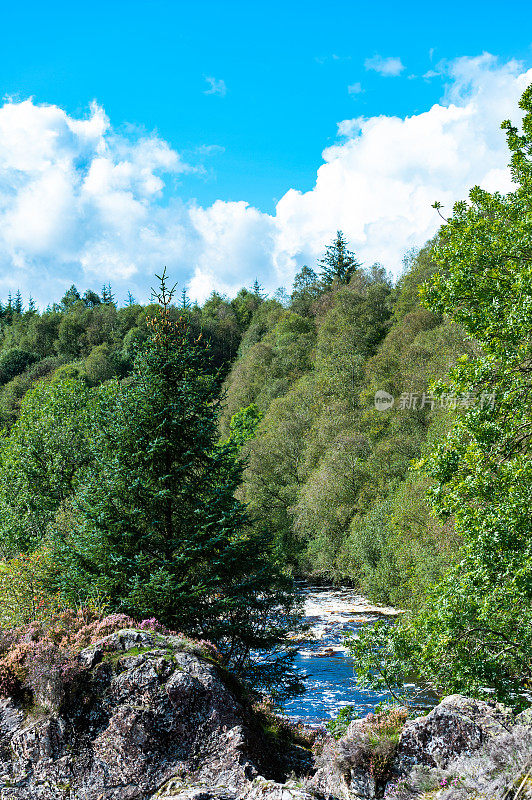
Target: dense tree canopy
<point>474,632</point>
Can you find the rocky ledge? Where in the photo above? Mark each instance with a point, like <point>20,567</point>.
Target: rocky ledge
<point>152,718</point>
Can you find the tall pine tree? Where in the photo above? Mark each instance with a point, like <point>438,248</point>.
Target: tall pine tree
<point>18,306</point>
<point>339,264</point>
<point>161,533</point>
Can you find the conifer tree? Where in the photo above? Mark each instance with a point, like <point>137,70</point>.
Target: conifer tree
<point>70,298</point>
<point>18,306</point>
<point>107,295</point>
<point>338,264</point>
<point>258,290</point>
<point>162,533</point>
<point>185,302</point>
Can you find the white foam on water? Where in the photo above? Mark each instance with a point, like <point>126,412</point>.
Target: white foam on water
<point>331,614</point>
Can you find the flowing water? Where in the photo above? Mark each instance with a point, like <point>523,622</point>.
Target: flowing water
<point>323,657</point>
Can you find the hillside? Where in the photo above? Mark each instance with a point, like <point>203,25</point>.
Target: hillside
<point>326,473</point>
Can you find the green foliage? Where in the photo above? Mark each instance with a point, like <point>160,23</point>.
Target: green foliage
<point>323,457</point>
<point>474,632</point>
<point>23,597</point>
<point>100,338</point>
<point>100,365</point>
<point>40,461</point>
<point>275,468</point>
<point>275,352</point>
<point>13,362</point>
<point>397,549</point>
<point>243,425</point>
<point>419,268</point>
<point>336,450</point>
<point>338,725</point>
<point>305,292</point>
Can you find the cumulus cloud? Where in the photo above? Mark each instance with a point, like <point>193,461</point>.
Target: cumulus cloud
<point>355,88</point>
<point>81,203</point>
<point>77,201</point>
<point>216,86</point>
<point>388,67</point>
<point>378,183</point>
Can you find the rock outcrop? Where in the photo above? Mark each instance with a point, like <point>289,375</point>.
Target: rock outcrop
<point>148,720</point>
<point>457,726</point>
<point>152,718</point>
<point>461,746</point>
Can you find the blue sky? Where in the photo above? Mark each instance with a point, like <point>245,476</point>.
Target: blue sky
<point>249,94</point>
<point>286,65</point>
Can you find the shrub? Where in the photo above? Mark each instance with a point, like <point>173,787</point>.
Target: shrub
<point>9,684</point>
<point>42,656</point>
<point>372,745</point>
<point>284,729</point>
<point>13,362</point>
<point>338,725</point>
<point>22,594</point>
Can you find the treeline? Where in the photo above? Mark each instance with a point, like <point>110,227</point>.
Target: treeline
<point>92,338</point>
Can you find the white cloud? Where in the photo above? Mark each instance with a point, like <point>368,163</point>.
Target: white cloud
<point>389,67</point>
<point>237,242</point>
<point>216,86</point>
<point>76,200</point>
<point>378,184</point>
<point>80,203</point>
<point>355,88</point>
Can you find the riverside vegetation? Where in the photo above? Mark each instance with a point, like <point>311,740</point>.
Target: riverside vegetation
<point>179,464</point>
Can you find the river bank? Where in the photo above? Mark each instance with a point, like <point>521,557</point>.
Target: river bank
<point>153,716</point>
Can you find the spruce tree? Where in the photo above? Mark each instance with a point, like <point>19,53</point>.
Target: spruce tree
<point>18,306</point>
<point>258,290</point>
<point>162,534</point>
<point>107,295</point>
<point>185,302</point>
<point>339,264</point>
<point>70,298</point>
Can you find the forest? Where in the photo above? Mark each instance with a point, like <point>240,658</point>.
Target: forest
<point>183,463</point>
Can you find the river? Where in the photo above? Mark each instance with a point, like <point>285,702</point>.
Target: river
<point>331,677</point>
